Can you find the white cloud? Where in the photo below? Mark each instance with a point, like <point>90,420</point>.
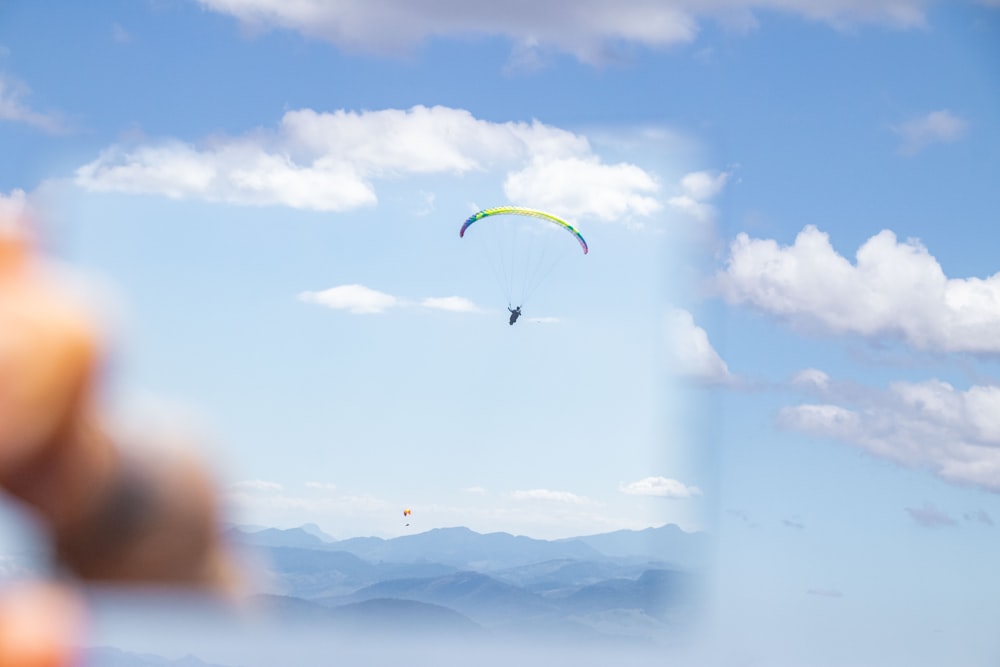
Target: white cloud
<point>660,486</point>
<point>332,161</point>
<point>935,127</point>
<point>553,496</point>
<point>588,29</point>
<point>811,377</point>
<point>893,290</point>
<point>256,485</point>
<point>454,304</point>
<point>703,185</point>
<point>690,352</point>
<point>928,425</point>
<point>583,186</point>
<point>696,191</point>
<point>362,300</point>
<point>353,298</point>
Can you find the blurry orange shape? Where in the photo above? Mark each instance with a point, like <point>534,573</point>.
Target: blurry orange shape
<point>41,625</point>
<point>48,346</point>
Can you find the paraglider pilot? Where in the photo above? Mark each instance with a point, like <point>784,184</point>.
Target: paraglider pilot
<point>514,314</point>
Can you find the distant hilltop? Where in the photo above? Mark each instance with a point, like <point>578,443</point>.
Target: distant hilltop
<point>462,546</point>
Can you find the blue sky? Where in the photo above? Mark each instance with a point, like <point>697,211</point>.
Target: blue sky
<point>785,331</point>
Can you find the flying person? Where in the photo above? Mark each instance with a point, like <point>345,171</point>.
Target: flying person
<point>514,314</point>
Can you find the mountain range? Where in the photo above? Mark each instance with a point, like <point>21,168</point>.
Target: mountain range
<point>637,586</point>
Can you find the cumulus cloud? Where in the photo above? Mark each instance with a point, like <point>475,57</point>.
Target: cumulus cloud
<point>690,352</point>
<point>14,107</point>
<point>935,127</point>
<point>696,191</point>
<point>332,162</point>
<point>454,304</point>
<point>660,486</point>
<point>588,29</point>
<point>893,290</point>
<point>550,496</point>
<point>353,298</point>
<point>929,425</point>
<point>930,516</point>
<point>362,300</point>
<point>583,186</point>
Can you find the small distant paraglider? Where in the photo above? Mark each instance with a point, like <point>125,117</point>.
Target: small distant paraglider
<point>406,513</point>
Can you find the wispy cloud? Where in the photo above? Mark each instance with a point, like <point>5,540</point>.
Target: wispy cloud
<point>333,161</point>
<point>255,485</point>
<point>697,189</point>
<point>893,290</point>
<point>979,516</point>
<point>930,516</point>
<point>362,300</point>
<point>659,486</point>
<point>930,425</point>
<point>550,496</point>
<point>935,127</point>
<point>14,107</point>
<point>591,30</point>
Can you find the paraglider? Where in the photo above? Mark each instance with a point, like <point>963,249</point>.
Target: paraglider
<point>407,513</point>
<point>521,253</point>
<point>530,212</point>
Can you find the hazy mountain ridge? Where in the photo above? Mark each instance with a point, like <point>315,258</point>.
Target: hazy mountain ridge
<point>612,586</point>
<point>457,547</point>
<point>106,656</point>
<point>473,594</point>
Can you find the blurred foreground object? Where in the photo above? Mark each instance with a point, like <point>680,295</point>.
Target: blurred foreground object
<point>39,626</point>
<point>115,514</point>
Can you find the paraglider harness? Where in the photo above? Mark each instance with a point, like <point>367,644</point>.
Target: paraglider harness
<point>514,313</point>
